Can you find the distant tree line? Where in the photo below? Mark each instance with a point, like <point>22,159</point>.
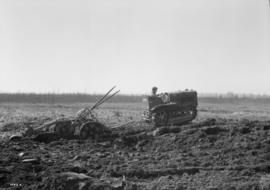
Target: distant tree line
<point>63,98</point>
<point>233,97</point>
<point>92,98</point>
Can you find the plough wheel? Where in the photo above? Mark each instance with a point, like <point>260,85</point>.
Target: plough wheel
<point>64,129</point>
<point>88,130</point>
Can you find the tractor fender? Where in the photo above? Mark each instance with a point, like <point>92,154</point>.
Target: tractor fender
<point>165,107</point>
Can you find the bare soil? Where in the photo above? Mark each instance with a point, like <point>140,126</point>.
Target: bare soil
<point>226,147</point>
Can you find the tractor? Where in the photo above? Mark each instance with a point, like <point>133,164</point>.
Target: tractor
<point>172,108</point>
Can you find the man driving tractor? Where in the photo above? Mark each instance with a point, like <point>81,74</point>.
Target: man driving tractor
<point>154,91</point>
<point>164,97</point>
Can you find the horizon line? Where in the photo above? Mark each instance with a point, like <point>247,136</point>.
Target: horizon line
<point>201,94</point>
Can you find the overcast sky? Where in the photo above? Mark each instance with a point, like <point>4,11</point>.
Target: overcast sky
<point>89,46</point>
